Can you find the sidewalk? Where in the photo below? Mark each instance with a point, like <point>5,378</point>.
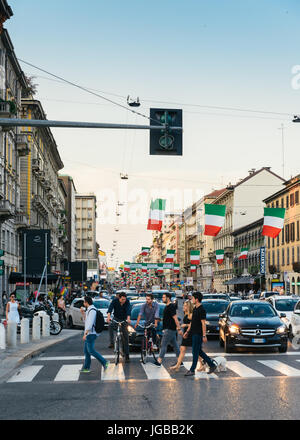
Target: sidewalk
<point>12,358</point>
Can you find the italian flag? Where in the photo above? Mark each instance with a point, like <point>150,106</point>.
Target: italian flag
<point>244,253</point>
<point>170,256</point>
<point>273,221</point>
<point>156,215</point>
<point>220,256</point>
<point>160,268</point>
<point>176,268</point>
<point>214,218</point>
<point>144,268</point>
<point>126,266</point>
<point>193,268</point>
<point>145,251</point>
<point>195,257</point>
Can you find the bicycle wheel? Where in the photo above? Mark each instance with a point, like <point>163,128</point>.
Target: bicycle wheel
<point>144,351</point>
<point>155,353</point>
<point>117,350</point>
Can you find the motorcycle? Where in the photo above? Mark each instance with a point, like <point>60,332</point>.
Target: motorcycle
<point>30,311</point>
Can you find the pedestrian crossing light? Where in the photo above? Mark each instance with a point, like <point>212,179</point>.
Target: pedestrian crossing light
<point>168,140</point>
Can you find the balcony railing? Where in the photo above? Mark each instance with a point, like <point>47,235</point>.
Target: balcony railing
<point>6,210</point>
<point>22,144</point>
<point>21,220</point>
<point>40,204</point>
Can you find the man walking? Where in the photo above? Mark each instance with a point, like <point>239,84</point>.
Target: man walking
<point>121,308</point>
<point>150,310</point>
<point>90,336</point>
<point>170,325</point>
<point>197,327</point>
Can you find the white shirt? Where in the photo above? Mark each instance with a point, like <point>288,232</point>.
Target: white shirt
<point>90,318</point>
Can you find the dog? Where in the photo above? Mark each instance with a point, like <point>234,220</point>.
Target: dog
<point>219,360</point>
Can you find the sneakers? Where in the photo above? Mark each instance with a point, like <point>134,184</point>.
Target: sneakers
<point>212,368</point>
<point>85,370</point>
<point>106,365</point>
<point>190,373</point>
<point>157,364</point>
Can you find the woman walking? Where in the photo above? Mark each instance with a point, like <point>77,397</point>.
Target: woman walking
<point>12,309</point>
<point>186,342</point>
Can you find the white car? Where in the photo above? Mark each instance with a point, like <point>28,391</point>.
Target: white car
<point>295,321</point>
<point>74,315</point>
<point>284,304</point>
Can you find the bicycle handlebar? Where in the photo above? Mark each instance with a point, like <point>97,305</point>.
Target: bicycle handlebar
<point>118,322</point>
<point>148,326</point>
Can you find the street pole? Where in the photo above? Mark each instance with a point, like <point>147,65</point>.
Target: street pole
<point>46,263</point>
<point>25,268</point>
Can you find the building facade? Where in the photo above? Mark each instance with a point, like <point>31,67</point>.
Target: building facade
<point>70,214</point>
<point>86,214</point>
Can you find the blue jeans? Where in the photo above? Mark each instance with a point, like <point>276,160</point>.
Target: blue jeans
<point>169,338</point>
<point>89,350</point>
<point>197,351</point>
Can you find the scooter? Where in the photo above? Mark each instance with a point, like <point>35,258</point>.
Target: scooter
<point>30,311</point>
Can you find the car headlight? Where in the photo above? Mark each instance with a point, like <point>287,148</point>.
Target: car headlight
<point>234,328</point>
<point>130,329</point>
<point>281,329</point>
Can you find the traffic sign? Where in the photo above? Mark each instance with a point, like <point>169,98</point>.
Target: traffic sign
<point>167,141</point>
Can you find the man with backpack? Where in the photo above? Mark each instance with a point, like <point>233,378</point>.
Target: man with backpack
<point>94,324</point>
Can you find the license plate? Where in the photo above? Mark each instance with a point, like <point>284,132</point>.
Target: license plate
<point>258,341</point>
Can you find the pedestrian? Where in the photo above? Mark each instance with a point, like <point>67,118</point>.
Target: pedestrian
<point>170,325</point>
<point>4,300</point>
<point>121,308</point>
<point>186,342</point>
<point>61,307</point>
<point>197,328</point>
<point>12,309</point>
<point>90,336</point>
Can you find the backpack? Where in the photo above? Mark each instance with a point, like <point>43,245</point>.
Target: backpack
<point>99,321</point>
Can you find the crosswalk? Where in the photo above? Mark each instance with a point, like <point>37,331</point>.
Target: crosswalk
<point>42,370</point>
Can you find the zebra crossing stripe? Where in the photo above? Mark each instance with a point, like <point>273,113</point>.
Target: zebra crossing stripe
<point>154,372</point>
<point>281,368</point>
<point>26,374</point>
<point>200,374</point>
<point>113,372</point>
<point>68,373</point>
<point>242,370</point>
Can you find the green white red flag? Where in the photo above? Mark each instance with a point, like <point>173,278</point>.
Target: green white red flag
<point>273,221</point>
<point>195,257</point>
<point>214,218</point>
<point>145,251</point>
<point>156,214</point>
<point>176,268</point>
<point>127,266</point>
<point>193,268</point>
<point>220,256</point>
<point>160,268</point>
<point>144,268</point>
<point>244,254</point>
<point>170,256</point>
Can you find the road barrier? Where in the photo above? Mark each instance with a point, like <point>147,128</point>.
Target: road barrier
<point>36,328</point>
<point>24,331</point>
<point>11,334</point>
<point>2,337</point>
<point>46,325</point>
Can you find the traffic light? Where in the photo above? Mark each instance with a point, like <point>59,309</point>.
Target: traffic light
<point>166,142</point>
<point>1,262</point>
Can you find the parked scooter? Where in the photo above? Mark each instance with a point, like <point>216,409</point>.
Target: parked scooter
<point>30,311</point>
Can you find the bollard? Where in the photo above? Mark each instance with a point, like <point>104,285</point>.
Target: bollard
<point>11,334</point>
<point>46,325</point>
<point>24,331</point>
<point>2,337</point>
<point>36,328</point>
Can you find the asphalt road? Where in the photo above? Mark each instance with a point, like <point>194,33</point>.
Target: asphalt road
<point>260,385</point>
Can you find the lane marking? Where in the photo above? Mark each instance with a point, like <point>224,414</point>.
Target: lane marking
<point>200,374</point>
<point>68,373</point>
<point>154,372</point>
<point>113,372</point>
<point>242,370</point>
<point>26,374</point>
<point>281,368</point>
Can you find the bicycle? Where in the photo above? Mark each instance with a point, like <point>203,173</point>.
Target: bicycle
<point>118,341</point>
<point>147,349</point>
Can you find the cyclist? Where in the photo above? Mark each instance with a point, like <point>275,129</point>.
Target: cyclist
<point>150,310</point>
<point>121,308</point>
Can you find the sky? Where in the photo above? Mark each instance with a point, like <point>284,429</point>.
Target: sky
<point>230,65</point>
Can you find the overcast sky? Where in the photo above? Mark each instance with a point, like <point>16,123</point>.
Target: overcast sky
<point>205,56</point>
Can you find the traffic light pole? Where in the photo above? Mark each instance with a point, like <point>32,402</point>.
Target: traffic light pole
<point>14,122</point>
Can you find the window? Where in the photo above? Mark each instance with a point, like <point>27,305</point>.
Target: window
<point>278,258</point>
<point>298,254</point>
<point>287,202</point>
<point>273,258</point>
<point>297,230</point>
<point>278,240</point>
<point>272,205</point>
<point>293,255</point>
<point>292,200</point>
<point>282,235</point>
<point>288,256</point>
<point>292,229</point>
<point>282,257</point>
<point>282,203</point>
<point>277,203</point>
<point>273,242</point>
<point>287,233</point>
<point>297,197</point>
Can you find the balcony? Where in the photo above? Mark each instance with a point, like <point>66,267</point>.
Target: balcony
<point>228,250</point>
<point>21,220</point>
<point>5,109</point>
<point>22,145</point>
<point>63,217</point>
<point>47,185</point>
<point>36,165</point>
<point>7,210</point>
<point>40,204</point>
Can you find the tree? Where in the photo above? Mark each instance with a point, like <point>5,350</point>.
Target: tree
<point>32,86</point>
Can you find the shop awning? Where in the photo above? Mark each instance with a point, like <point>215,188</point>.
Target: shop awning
<point>240,280</point>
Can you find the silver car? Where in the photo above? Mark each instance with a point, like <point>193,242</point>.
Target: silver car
<point>74,315</point>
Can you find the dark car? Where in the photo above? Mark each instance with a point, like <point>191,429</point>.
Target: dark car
<point>213,308</point>
<point>252,324</point>
<point>136,335</point>
<point>216,296</point>
<point>158,294</point>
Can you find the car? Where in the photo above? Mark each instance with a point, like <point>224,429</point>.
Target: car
<point>216,296</point>
<point>295,321</point>
<point>266,294</point>
<point>285,304</point>
<point>252,324</point>
<point>158,294</point>
<point>254,296</point>
<point>136,335</point>
<point>130,293</point>
<point>234,298</point>
<point>74,315</point>
<point>213,308</point>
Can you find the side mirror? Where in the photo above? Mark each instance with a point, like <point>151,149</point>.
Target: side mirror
<point>297,311</point>
<point>282,315</point>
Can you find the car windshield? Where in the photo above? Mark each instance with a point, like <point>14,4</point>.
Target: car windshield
<point>159,295</point>
<point>285,305</point>
<point>136,310</point>
<point>214,307</point>
<point>252,310</point>
<point>101,304</point>
<point>215,296</point>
